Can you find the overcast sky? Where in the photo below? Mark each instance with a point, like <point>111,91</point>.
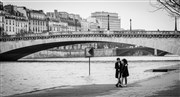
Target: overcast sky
<point>140,11</point>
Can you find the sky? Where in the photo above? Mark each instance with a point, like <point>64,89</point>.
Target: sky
<point>140,11</point>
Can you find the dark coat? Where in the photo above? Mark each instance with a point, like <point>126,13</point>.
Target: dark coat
<point>118,69</point>
<point>125,72</point>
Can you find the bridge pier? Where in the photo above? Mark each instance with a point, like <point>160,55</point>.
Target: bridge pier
<point>8,57</point>
<point>155,52</point>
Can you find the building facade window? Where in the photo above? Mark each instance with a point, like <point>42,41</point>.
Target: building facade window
<point>2,19</point>
<point>6,28</point>
<point>7,22</point>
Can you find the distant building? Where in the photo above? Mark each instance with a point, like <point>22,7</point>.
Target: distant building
<point>10,20</point>
<point>94,24</point>
<point>73,20</point>
<point>22,22</point>
<point>85,25</point>
<point>10,24</point>
<point>15,21</point>
<point>2,17</point>
<point>114,21</point>
<point>37,21</point>
<point>54,25</point>
<point>19,19</point>
<point>22,10</point>
<point>1,6</point>
<point>54,22</point>
<point>91,24</point>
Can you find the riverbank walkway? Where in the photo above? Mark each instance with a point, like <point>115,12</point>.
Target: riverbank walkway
<point>166,85</point>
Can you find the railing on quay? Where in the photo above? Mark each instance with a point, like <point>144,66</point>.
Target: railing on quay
<point>68,34</point>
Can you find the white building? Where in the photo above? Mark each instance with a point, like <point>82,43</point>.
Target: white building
<point>114,21</point>
<point>22,25</point>
<point>91,24</point>
<point>37,21</point>
<point>10,24</point>
<point>2,17</point>
<point>85,25</point>
<point>16,20</point>
<point>72,20</point>
<point>57,26</point>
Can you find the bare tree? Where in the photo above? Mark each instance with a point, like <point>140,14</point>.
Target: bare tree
<point>172,6</point>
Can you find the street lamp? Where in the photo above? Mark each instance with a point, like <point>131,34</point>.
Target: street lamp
<point>175,24</point>
<point>130,25</point>
<point>108,23</point>
<point>75,24</point>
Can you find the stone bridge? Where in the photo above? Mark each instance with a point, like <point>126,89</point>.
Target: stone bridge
<point>13,48</point>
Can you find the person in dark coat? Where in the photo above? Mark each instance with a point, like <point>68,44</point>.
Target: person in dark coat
<point>125,72</point>
<point>118,74</point>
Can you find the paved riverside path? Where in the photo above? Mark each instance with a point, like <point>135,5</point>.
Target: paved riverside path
<point>166,85</point>
<point>75,91</point>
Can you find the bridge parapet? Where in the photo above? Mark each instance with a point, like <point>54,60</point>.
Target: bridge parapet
<point>126,34</point>
<point>147,32</point>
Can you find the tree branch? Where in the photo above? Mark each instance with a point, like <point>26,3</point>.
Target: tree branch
<point>178,4</point>
<point>170,6</point>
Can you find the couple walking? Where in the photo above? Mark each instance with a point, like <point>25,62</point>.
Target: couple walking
<point>121,72</point>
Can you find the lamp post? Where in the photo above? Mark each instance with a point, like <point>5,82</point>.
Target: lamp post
<point>175,24</point>
<point>75,24</point>
<point>108,23</point>
<point>130,25</point>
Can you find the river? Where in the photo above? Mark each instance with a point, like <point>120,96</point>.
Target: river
<point>27,75</point>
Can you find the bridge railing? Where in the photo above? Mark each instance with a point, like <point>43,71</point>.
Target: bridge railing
<point>115,32</point>
<point>160,34</point>
<point>95,32</point>
<point>145,32</point>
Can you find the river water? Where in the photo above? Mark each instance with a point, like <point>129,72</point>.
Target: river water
<point>26,76</point>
